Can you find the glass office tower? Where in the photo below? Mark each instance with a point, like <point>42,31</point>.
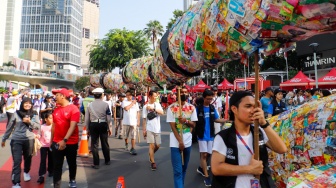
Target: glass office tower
<point>54,26</point>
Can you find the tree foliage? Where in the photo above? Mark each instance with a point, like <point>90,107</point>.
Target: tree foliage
<point>82,82</point>
<point>176,14</point>
<point>117,48</point>
<point>153,30</point>
<point>8,64</point>
<point>235,69</point>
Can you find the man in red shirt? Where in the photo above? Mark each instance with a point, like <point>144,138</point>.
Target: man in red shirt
<point>171,98</point>
<point>75,100</point>
<point>64,136</point>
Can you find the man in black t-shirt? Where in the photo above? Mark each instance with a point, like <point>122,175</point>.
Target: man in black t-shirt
<point>118,115</point>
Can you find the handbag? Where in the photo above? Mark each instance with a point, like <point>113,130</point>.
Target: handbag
<point>151,115</point>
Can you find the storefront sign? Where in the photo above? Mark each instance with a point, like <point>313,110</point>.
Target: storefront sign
<point>327,62</point>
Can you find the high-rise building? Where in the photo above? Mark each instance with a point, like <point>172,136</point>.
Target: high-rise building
<point>90,30</point>
<point>54,26</point>
<point>10,21</point>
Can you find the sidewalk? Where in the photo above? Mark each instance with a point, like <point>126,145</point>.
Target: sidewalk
<point>6,164</point>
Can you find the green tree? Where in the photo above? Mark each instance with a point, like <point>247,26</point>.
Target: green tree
<point>153,30</point>
<point>82,82</point>
<point>118,47</point>
<point>8,64</point>
<point>176,15</point>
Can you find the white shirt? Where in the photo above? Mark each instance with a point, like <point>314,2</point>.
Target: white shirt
<point>154,124</point>
<point>130,116</point>
<point>301,99</point>
<point>81,100</point>
<point>217,102</point>
<point>172,117</point>
<point>110,104</point>
<point>10,101</point>
<point>227,100</point>
<point>244,156</point>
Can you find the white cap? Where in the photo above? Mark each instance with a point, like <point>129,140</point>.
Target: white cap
<point>98,90</point>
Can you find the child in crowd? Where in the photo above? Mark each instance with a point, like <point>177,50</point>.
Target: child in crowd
<point>45,151</point>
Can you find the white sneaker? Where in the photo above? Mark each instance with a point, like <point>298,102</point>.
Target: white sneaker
<point>16,186</point>
<point>26,176</point>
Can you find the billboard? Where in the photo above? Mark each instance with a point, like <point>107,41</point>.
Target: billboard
<point>22,65</point>
<point>325,60</point>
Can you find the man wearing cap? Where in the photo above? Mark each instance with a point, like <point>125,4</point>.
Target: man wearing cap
<point>75,100</point>
<point>64,137</point>
<point>98,118</point>
<point>266,100</point>
<point>47,107</point>
<point>118,115</point>
<point>276,106</point>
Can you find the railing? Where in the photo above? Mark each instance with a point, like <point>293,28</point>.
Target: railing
<point>61,76</point>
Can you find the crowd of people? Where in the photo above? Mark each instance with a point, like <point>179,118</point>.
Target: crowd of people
<point>50,123</point>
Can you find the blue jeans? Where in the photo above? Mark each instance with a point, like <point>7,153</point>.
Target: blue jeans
<point>178,168</point>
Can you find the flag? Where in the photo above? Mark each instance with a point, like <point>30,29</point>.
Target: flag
<point>244,59</point>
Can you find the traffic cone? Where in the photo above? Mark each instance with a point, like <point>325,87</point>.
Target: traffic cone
<point>83,146</point>
<point>121,182</point>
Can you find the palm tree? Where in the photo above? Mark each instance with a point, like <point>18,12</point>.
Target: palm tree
<point>153,30</point>
<point>176,15</point>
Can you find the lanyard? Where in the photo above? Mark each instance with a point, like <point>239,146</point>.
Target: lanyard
<point>242,140</point>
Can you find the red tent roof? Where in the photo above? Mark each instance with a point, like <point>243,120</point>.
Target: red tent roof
<point>328,79</point>
<point>299,80</point>
<point>201,86</point>
<point>185,85</point>
<point>225,85</point>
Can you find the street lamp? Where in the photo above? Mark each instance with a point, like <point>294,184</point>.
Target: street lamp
<point>314,46</point>
<point>283,52</point>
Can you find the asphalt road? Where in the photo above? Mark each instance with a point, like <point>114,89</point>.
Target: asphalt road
<point>135,169</point>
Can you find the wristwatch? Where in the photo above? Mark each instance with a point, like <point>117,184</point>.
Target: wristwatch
<point>264,126</point>
<point>65,140</point>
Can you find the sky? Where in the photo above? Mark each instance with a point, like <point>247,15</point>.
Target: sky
<point>135,14</point>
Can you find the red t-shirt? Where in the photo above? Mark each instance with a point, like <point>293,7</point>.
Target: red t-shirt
<point>62,117</point>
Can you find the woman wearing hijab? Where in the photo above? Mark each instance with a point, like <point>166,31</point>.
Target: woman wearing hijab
<point>21,126</point>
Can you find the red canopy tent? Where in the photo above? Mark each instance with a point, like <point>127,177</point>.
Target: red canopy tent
<point>200,87</point>
<point>329,80</point>
<point>225,85</point>
<point>185,85</point>
<point>299,81</point>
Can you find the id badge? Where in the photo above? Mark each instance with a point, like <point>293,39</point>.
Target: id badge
<point>255,183</point>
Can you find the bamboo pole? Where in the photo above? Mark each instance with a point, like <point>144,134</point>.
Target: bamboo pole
<point>115,116</point>
<point>256,99</point>
<point>137,127</point>
<point>180,115</point>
